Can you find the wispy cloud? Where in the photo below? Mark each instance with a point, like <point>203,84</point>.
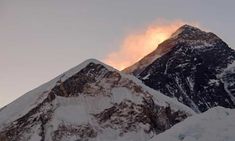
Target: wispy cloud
<point>136,45</point>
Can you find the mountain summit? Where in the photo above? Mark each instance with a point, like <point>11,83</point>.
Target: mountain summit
<point>191,32</point>
<point>193,66</point>
<point>90,102</point>
<point>187,34</point>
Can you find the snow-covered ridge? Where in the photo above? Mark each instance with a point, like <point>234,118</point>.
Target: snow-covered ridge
<point>216,124</point>
<point>91,98</point>
<point>25,103</point>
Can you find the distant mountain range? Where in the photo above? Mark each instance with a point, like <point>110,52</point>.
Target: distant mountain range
<point>187,74</point>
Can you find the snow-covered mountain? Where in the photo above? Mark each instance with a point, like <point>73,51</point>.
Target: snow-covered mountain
<point>194,66</point>
<point>91,102</point>
<point>216,124</point>
<point>95,102</point>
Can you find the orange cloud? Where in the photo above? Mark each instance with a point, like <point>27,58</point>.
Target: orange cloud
<point>136,46</point>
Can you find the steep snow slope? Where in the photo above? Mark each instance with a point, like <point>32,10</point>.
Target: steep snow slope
<point>90,102</point>
<point>216,124</point>
<point>192,67</point>
<point>31,99</point>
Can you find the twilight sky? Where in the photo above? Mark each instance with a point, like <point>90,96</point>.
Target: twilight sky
<point>39,39</point>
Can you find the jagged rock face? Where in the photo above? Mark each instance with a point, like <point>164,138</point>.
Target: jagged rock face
<point>92,103</point>
<point>192,70</point>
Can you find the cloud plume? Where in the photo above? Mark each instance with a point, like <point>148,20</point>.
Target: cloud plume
<point>137,45</point>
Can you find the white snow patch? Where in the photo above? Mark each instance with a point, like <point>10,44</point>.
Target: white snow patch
<point>122,93</point>
<point>216,124</point>
<point>114,135</point>
<point>146,77</point>
<point>213,81</point>
<point>73,114</point>
<point>84,104</point>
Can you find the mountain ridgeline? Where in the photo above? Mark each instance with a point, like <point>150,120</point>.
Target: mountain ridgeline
<point>189,73</point>
<point>194,66</point>
<point>91,102</point>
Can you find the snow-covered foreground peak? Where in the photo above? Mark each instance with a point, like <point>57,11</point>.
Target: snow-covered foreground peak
<point>216,124</point>
<point>92,101</point>
<point>26,102</point>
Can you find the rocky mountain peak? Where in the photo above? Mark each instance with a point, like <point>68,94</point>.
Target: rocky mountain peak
<point>188,32</point>
<point>189,66</point>
<point>186,29</point>
<point>185,37</point>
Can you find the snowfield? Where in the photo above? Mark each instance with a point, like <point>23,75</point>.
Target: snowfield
<point>216,124</point>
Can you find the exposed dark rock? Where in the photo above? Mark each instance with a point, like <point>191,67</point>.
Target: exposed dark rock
<point>190,68</point>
